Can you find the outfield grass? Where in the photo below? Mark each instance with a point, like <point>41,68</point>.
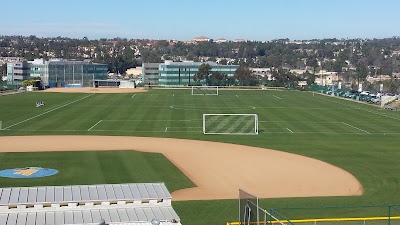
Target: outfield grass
<point>359,138</point>
<point>95,167</point>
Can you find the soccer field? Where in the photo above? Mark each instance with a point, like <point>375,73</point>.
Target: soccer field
<point>358,138</point>
<point>176,113</point>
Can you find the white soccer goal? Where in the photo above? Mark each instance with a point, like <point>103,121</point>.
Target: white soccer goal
<point>239,124</point>
<point>204,90</point>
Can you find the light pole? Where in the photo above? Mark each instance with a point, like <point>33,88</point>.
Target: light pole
<point>94,85</point>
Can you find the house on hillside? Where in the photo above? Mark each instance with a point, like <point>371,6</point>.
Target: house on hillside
<point>201,38</point>
<point>221,40</point>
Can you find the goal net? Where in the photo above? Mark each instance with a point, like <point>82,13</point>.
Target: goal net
<point>240,124</point>
<point>204,90</point>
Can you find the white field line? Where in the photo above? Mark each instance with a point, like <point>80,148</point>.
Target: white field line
<point>272,128</point>
<point>155,120</point>
<point>308,122</point>
<point>133,95</point>
<point>202,108</point>
<point>181,131</point>
<point>277,97</point>
<point>48,111</point>
<point>194,107</point>
<point>94,125</point>
<point>147,131</point>
<point>327,132</point>
<point>129,131</point>
<point>186,127</point>
<point>356,128</point>
<point>296,107</point>
<point>45,130</point>
<point>290,130</point>
<point>120,106</point>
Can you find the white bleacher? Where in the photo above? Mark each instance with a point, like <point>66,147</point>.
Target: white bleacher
<point>89,216</point>
<point>87,204</point>
<point>126,84</point>
<point>154,193</point>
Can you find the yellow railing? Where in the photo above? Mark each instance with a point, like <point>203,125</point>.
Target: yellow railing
<point>326,220</point>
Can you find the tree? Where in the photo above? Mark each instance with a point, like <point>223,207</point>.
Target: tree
<point>203,73</point>
<point>310,78</point>
<point>337,66</point>
<point>245,77</point>
<point>283,77</point>
<point>391,85</point>
<point>26,83</point>
<point>313,63</point>
<point>223,62</point>
<point>3,69</point>
<point>361,73</point>
<point>218,79</point>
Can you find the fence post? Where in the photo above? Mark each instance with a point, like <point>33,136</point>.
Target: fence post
<point>265,217</point>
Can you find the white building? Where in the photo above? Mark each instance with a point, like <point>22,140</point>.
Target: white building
<point>200,39</point>
<point>221,40</point>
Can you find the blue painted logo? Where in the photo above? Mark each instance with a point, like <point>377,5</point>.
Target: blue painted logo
<point>28,172</point>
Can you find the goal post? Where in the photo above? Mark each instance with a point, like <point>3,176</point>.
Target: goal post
<point>238,124</point>
<point>205,90</point>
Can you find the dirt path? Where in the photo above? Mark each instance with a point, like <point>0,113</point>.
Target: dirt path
<point>218,169</point>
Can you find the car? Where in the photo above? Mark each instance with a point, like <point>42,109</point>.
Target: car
<point>375,100</point>
<point>365,92</point>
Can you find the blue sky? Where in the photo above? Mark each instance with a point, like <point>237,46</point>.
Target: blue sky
<point>185,19</point>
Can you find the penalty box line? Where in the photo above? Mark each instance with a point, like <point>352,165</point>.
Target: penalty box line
<point>171,129</point>
<point>94,125</point>
<point>356,128</point>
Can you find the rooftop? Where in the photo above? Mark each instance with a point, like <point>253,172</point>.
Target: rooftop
<point>188,63</point>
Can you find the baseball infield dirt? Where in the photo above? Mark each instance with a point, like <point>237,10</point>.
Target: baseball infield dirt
<point>218,169</point>
<point>95,90</point>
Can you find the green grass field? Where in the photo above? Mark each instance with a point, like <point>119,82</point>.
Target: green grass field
<point>362,139</point>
